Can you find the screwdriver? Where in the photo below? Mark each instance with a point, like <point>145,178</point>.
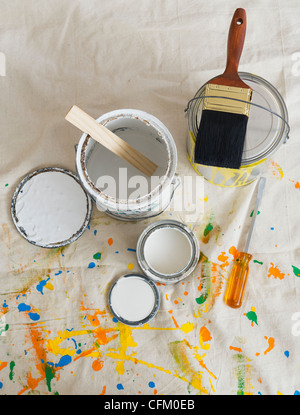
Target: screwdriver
<point>239,274</point>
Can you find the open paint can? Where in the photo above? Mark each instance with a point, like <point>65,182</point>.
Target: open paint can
<point>50,208</point>
<point>168,251</point>
<point>134,299</point>
<point>267,129</point>
<point>118,188</point>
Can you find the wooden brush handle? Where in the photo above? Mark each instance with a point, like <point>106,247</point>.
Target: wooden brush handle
<point>111,141</point>
<point>236,38</point>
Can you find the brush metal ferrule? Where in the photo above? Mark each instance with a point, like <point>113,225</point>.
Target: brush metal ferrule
<point>227,105</point>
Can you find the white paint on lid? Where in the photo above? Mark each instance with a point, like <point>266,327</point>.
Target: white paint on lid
<point>167,250</point>
<point>51,207</point>
<point>132,298</point>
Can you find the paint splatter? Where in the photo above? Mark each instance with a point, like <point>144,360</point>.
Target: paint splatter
<point>251,214</point>
<point>296,271</point>
<point>120,386</point>
<point>97,256</point>
<point>251,315</point>
<point>287,353</point>
<point>257,262</point>
<point>151,384</point>
<point>276,170</point>
<point>271,343</point>
<point>110,241</point>
<point>11,367</point>
<point>130,266</point>
<point>24,307</point>
<point>205,337</point>
<point>91,265</point>
<point>97,365</point>
<point>34,316</point>
<point>274,272</point>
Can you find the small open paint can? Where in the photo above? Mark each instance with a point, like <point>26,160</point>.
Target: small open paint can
<point>50,208</point>
<point>267,130</point>
<point>168,251</point>
<point>134,299</point>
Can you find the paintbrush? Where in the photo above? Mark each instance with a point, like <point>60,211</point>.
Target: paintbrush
<point>221,134</point>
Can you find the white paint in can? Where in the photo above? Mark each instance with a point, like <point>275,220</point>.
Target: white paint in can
<point>167,250</point>
<point>132,298</point>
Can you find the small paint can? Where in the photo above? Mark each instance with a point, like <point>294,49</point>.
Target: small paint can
<point>118,188</point>
<point>134,299</point>
<point>50,208</point>
<point>267,130</point>
<point>167,251</point>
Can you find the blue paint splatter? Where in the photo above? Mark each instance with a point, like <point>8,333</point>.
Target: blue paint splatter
<point>120,386</point>
<point>151,385</point>
<point>4,304</point>
<point>34,316</point>
<point>24,307</point>
<point>272,229</point>
<point>57,273</point>
<point>92,265</point>
<point>287,353</point>
<point>41,285</point>
<point>297,392</point>
<point>74,342</point>
<point>1,385</point>
<point>131,250</point>
<point>63,361</point>
<point>115,320</point>
<point>95,232</point>
<point>116,252</point>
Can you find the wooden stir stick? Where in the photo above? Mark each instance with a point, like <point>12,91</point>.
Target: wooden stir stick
<point>111,141</point>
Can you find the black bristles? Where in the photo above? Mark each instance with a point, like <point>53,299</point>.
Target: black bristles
<point>220,139</point>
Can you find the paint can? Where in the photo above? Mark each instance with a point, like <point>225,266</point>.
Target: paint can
<point>118,188</point>
<point>134,299</point>
<point>267,130</point>
<point>167,251</point>
<point>50,208</point>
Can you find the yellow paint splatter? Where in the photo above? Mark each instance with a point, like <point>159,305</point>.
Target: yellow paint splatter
<point>130,266</point>
<point>187,327</point>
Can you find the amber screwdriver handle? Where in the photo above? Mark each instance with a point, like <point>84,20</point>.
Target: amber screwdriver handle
<point>238,279</point>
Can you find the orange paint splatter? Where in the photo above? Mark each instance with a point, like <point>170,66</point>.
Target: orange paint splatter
<point>237,349</point>
<point>205,334</point>
<point>110,241</point>
<point>175,322</point>
<point>3,365</point>
<point>97,365</point>
<point>271,342</point>
<point>274,272</point>
<point>185,293</point>
<point>223,258</point>
<point>103,390</point>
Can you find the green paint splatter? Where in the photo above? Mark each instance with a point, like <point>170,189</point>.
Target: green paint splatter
<point>50,374</point>
<point>240,371</point>
<point>5,328</point>
<point>97,256</point>
<point>6,185</point>
<point>251,214</point>
<point>208,228</point>
<point>296,271</point>
<point>252,316</point>
<point>11,373</point>
<point>258,262</point>
<point>202,298</point>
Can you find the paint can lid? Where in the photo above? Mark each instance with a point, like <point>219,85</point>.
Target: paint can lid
<point>50,208</point>
<point>168,251</point>
<point>134,299</point>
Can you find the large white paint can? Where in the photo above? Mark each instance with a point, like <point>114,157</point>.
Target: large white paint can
<point>118,188</point>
